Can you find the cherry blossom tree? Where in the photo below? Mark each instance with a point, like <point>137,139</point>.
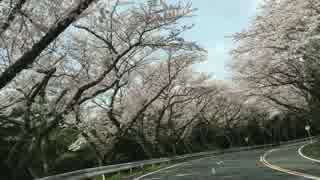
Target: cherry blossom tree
<point>21,19</point>
<point>68,72</point>
<point>273,56</point>
<point>132,109</point>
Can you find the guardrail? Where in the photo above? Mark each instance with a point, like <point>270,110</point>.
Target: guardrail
<point>92,172</point>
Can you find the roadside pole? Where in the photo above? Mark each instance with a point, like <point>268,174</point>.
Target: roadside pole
<point>307,128</point>
<point>247,141</point>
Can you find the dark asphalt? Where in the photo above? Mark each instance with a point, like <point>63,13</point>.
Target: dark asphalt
<point>240,166</point>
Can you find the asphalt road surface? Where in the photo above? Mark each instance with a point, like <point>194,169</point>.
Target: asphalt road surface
<point>244,165</point>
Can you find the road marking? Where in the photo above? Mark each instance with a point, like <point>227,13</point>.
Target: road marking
<point>306,157</point>
<point>182,175</point>
<point>288,171</point>
<point>213,170</point>
<point>148,174</point>
<point>166,172</point>
<point>220,162</point>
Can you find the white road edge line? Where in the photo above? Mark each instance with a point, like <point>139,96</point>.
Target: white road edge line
<point>148,174</point>
<point>306,157</point>
<point>277,168</point>
<point>180,164</point>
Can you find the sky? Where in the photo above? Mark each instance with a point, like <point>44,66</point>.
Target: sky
<point>215,20</point>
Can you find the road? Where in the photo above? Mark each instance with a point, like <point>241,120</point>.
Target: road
<point>243,166</point>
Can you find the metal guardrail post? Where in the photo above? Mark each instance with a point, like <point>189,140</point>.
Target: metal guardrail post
<point>119,174</point>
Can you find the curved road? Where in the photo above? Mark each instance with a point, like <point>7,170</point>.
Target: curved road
<point>243,166</point>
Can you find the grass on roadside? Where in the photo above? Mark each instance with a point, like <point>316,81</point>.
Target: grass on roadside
<point>312,150</point>
<point>123,175</point>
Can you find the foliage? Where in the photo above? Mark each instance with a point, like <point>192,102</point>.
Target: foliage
<point>92,83</point>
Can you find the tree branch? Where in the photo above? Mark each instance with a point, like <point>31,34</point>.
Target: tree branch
<point>30,56</point>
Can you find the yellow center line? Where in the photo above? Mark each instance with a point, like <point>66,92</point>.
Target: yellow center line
<point>263,160</point>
